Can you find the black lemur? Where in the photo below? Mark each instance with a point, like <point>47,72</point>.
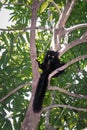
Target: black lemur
<point>51,62</point>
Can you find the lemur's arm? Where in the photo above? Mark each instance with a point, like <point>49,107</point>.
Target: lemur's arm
<point>40,65</point>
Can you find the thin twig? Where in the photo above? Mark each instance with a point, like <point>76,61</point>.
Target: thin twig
<point>56,6</point>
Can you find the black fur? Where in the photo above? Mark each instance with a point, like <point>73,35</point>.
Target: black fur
<point>51,62</point>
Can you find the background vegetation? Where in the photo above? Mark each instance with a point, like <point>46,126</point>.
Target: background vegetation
<point>16,66</point>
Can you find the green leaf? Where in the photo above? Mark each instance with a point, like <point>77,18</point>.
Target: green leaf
<point>4,38</point>
<point>27,36</point>
<point>43,7</point>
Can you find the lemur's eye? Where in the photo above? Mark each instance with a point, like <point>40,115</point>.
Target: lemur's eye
<point>48,55</point>
<point>53,57</point>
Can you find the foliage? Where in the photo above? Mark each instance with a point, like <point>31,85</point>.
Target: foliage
<point>16,69</point>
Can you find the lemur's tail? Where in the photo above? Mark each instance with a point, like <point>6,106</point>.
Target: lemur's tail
<point>40,93</point>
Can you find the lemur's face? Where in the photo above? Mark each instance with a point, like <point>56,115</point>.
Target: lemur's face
<point>51,56</point>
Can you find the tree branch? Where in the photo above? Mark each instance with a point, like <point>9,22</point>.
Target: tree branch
<point>65,106</point>
<point>24,29</point>
<point>68,30</point>
<point>56,6</point>
<point>66,65</point>
<point>65,14</point>
<point>76,42</point>
<point>14,91</point>
<point>39,3</point>
<point>59,30</point>
<point>16,3</point>
<point>67,92</point>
